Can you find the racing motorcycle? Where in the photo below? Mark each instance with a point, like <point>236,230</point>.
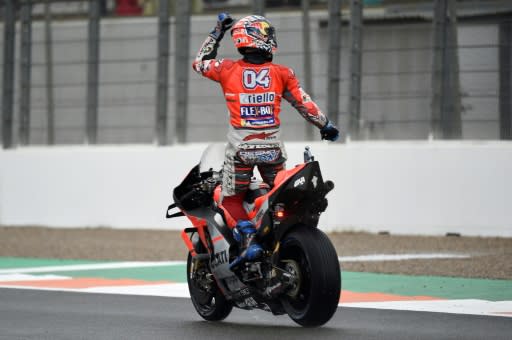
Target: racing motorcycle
<point>298,273</point>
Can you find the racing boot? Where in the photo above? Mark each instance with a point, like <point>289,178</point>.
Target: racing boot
<point>250,250</point>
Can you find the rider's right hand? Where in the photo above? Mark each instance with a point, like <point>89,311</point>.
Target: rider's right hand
<point>225,20</point>
<point>224,23</point>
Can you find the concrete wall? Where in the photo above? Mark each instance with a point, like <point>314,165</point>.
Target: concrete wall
<point>401,187</point>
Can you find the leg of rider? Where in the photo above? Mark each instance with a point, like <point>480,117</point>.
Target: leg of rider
<point>250,249</point>
<point>245,231</point>
<point>235,182</point>
<point>269,172</point>
<point>236,179</point>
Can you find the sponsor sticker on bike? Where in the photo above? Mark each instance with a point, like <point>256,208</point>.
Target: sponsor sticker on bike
<point>299,182</point>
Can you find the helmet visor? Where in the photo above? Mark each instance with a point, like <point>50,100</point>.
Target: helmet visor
<point>263,31</point>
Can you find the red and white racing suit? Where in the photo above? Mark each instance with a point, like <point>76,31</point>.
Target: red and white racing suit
<point>253,94</point>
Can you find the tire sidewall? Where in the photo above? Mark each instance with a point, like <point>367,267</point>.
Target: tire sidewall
<point>325,277</point>
<point>222,307</point>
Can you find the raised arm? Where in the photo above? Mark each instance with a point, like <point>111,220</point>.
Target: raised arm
<point>208,50</point>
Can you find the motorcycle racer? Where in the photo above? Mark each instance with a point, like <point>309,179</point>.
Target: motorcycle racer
<point>253,88</point>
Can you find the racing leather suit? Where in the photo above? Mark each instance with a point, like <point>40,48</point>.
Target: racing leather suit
<point>253,89</point>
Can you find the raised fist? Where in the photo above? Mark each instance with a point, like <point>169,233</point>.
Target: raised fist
<point>224,23</point>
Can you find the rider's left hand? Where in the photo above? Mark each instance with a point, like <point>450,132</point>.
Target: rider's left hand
<point>330,132</point>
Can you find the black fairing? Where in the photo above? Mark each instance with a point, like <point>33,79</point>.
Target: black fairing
<point>189,197</point>
<point>192,198</point>
<point>302,197</point>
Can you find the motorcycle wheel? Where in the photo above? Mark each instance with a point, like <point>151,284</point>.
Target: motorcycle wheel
<point>206,297</point>
<point>310,254</point>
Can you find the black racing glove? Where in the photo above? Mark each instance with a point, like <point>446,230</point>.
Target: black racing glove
<point>224,23</point>
<point>330,132</point>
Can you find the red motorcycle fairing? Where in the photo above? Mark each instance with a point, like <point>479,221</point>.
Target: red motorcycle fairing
<point>199,227</point>
<point>256,215</point>
<point>298,273</point>
<point>231,209</point>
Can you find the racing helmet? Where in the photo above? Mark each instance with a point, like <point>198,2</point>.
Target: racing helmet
<point>254,32</point>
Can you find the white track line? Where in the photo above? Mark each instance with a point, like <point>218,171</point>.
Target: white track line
<point>27,277</point>
<point>180,290</point>
<point>138,264</point>
<point>399,257</point>
<point>92,266</point>
<point>467,306</point>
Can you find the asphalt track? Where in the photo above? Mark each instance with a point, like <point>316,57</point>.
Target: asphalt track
<point>34,314</point>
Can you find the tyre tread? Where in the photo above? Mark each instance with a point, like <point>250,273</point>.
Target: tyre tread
<point>325,292</point>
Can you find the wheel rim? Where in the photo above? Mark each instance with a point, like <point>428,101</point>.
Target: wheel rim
<point>293,268</point>
<point>202,295</point>
<point>293,258</point>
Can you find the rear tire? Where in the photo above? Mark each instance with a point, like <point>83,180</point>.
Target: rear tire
<point>206,297</point>
<point>315,299</point>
